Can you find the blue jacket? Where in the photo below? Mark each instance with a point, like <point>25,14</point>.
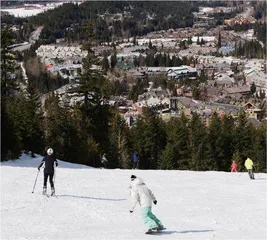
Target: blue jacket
<point>135,157</point>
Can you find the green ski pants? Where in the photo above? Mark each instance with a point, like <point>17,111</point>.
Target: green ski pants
<point>150,219</point>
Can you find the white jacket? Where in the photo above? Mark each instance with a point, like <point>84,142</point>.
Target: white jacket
<point>141,194</point>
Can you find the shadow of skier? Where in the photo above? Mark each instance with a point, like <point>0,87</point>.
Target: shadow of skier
<point>93,198</point>
<point>195,231</point>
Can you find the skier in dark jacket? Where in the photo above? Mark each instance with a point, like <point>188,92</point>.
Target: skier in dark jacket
<point>49,160</point>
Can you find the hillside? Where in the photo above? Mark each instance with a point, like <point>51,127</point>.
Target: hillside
<point>94,204</point>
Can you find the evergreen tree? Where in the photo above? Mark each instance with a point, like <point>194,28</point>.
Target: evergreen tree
<point>200,148</point>
<point>113,60</point>
<point>149,138</point>
<point>242,137</point>
<point>64,133</point>
<point>253,88</point>
<point>32,116</point>
<point>216,140</point>
<point>219,44</point>
<point>105,63</point>
<point>198,42</point>
<point>167,158</point>
<point>95,111</point>
<point>227,142</point>
<point>118,150</point>
<point>182,143</point>
<point>10,142</point>
<point>177,151</point>
<point>258,148</point>
<point>8,80</point>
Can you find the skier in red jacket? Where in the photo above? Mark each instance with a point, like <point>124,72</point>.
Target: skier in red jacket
<point>234,167</point>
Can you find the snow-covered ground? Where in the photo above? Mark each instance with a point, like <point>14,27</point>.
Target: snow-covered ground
<point>94,204</point>
<point>31,9</point>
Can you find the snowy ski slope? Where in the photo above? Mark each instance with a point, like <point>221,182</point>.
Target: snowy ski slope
<point>93,204</point>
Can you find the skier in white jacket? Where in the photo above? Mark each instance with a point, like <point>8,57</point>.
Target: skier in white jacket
<point>144,196</point>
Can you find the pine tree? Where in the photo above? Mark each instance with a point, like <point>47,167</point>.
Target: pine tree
<point>258,153</point>
<point>167,158</point>
<point>200,148</point>
<point>242,137</point>
<point>105,63</point>
<point>182,143</point>
<point>253,88</point>
<point>33,136</point>
<point>118,146</point>
<point>113,60</point>
<point>216,140</point>
<point>8,81</point>
<point>149,138</point>
<point>95,111</point>
<point>63,132</point>
<point>219,41</point>
<point>177,151</point>
<point>227,142</point>
<point>10,141</point>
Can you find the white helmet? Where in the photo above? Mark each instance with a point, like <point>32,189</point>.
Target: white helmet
<point>50,151</point>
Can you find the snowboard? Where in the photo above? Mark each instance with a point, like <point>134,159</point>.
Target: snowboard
<point>154,232</point>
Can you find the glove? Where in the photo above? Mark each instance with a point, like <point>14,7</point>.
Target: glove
<point>38,168</point>
<point>155,202</point>
<point>56,164</point>
<point>131,211</point>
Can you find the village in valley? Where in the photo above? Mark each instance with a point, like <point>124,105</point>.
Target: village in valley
<point>208,54</point>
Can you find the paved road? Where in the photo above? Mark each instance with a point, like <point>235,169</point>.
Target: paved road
<point>33,38</point>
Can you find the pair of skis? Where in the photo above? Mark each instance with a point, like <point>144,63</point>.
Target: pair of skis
<point>52,195</point>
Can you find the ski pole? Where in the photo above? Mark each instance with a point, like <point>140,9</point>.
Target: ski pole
<point>240,174</point>
<point>35,181</point>
<point>54,175</point>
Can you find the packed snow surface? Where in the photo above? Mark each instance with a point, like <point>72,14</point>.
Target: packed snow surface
<point>94,204</point>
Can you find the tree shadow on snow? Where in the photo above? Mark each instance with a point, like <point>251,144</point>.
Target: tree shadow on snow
<point>195,231</point>
<point>93,198</point>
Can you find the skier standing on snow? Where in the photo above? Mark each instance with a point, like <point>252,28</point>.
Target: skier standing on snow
<point>104,161</point>
<point>249,165</point>
<point>135,160</point>
<point>144,196</point>
<point>234,167</point>
<point>49,160</point>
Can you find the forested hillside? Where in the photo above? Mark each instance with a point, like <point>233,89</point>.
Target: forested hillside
<point>113,20</point>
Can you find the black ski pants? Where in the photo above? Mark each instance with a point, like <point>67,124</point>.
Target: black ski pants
<point>51,175</point>
<point>135,165</point>
<point>251,174</point>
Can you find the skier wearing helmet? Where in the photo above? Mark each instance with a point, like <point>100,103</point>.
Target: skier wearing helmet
<point>49,160</point>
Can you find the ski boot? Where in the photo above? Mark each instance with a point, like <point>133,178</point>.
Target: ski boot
<point>52,191</point>
<point>44,190</point>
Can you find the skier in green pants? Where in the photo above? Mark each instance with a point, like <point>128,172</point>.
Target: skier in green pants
<point>144,196</point>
